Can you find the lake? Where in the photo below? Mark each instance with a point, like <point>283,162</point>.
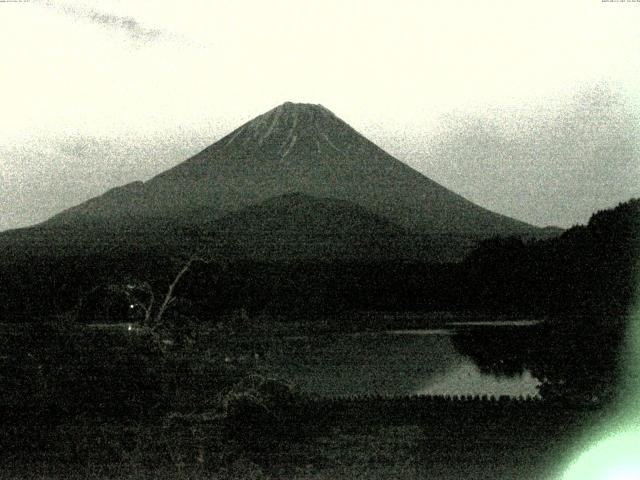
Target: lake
<point>393,363</point>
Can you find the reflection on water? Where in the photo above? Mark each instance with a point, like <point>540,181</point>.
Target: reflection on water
<point>497,323</point>
<point>468,380</point>
<point>392,363</point>
<point>423,331</point>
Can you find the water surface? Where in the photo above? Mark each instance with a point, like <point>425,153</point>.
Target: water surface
<point>389,363</point>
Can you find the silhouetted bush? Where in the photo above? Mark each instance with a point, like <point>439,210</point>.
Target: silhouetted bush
<point>70,370</point>
<point>73,371</point>
<point>257,413</point>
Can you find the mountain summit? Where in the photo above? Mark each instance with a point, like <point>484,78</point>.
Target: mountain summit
<point>295,148</point>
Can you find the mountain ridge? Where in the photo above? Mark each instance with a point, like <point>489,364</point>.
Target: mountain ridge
<point>297,148</point>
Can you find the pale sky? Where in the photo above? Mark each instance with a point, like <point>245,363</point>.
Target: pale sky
<point>531,109</point>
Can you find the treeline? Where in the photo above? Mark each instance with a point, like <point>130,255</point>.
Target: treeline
<point>588,270</point>
<point>52,286</point>
<point>584,282</point>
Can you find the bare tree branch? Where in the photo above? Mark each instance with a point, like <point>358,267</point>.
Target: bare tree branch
<point>168,298</point>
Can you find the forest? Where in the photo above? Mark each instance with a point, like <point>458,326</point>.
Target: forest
<point>587,270</point>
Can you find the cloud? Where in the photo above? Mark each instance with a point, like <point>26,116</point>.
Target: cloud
<point>129,25</point>
<point>123,24</point>
<point>557,165</point>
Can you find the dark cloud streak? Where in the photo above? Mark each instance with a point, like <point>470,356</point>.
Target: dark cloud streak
<point>129,25</point>
<point>123,24</point>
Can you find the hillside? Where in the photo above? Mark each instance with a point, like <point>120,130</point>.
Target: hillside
<point>300,227</point>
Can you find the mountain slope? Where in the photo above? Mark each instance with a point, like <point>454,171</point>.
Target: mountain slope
<point>289,227</point>
<point>300,227</point>
<point>295,148</point>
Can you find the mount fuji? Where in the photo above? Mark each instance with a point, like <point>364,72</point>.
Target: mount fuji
<point>296,173</point>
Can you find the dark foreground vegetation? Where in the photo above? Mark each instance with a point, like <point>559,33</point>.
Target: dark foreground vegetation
<point>84,402</point>
<point>180,398</point>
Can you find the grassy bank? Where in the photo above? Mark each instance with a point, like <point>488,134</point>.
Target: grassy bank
<point>83,402</point>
